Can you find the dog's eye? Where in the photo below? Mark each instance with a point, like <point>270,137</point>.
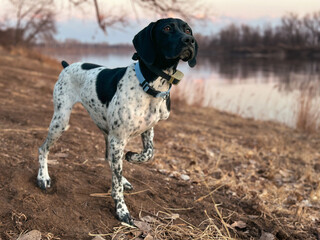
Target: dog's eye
<point>187,31</point>
<point>167,28</point>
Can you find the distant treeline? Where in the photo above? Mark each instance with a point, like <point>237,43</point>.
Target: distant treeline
<point>294,36</point>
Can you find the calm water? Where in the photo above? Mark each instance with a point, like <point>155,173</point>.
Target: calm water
<point>256,88</point>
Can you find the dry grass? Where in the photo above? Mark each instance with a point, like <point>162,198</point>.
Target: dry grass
<point>166,224</point>
<point>33,54</point>
<point>308,110</point>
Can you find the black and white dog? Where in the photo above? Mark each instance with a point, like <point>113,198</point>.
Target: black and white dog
<point>123,102</point>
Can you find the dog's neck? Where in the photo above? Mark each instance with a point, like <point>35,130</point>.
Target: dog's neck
<point>168,66</point>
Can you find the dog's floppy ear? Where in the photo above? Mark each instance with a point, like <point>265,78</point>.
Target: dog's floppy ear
<point>144,45</point>
<point>193,61</point>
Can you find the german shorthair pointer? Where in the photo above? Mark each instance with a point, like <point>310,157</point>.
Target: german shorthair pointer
<point>123,102</point>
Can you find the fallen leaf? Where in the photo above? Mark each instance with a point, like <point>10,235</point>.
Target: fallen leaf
<point>32,235</point>
<point>148,219</point>
<point>143,226</point>
<point>239,224</point>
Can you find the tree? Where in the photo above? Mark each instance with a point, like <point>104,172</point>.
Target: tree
<point>34,20</point>
<point>187,9</point>
<point>312,25</point>
<point>292,30</point>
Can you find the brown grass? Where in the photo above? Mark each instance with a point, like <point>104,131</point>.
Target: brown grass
<point>33,54</point>
<point>308,113</point>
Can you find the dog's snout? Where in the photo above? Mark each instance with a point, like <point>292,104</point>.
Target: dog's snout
<point>188,39</point>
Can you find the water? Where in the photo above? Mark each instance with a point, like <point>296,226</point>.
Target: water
<point>262,89</point>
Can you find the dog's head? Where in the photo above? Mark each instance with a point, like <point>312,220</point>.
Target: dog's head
<point>168,39</point>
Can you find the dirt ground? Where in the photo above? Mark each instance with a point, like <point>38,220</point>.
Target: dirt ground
<point>248,179</point>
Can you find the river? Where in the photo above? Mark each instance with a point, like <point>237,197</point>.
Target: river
<point>278,90</point>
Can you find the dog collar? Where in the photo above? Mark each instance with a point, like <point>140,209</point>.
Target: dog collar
<point>147,88</point>
<point>172,79</point>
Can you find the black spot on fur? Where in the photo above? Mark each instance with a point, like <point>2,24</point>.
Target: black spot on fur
<point>107,81</point>
<point>89,66</point>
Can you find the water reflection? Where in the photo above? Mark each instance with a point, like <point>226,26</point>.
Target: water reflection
<point>252,87</point>
<point>278,90</point>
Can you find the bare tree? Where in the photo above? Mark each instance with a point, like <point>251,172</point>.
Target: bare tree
<point>292,29</point>
<point>34,19</point>
<point>187,9</point>
<point>312,24</point>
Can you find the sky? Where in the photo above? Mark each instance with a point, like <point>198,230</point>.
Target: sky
<point>81,24</point>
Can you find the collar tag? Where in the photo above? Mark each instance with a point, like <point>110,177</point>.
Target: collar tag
<point>176,77</point>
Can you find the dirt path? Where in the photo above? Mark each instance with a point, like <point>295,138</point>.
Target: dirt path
<point>264,178</point>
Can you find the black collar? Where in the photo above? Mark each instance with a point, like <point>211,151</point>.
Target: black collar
<point>146,87</point>
<point>157,72</point>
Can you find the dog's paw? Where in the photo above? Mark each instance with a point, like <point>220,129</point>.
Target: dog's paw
<point>122,212</point>
<point>44,183</point>
<point>126,185</point>
<point>127,219</point>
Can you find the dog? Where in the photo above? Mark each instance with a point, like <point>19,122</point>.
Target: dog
<point>123,102</point>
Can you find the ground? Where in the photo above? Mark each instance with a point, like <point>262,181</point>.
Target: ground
<point>248,179</point>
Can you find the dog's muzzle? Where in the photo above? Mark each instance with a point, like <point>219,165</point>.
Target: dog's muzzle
<point>186,54</point>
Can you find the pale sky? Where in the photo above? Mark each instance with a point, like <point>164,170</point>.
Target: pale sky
<point>81,25</point>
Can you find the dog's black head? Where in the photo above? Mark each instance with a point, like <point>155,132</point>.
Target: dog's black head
<point>166,40</point>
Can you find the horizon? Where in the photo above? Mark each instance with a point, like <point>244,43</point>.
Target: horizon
<point>81,24</point>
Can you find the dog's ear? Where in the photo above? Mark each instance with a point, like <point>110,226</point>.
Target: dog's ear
<point>193,61</point>
<point>144,45</point>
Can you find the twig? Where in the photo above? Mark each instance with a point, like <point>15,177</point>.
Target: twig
<point>109,194</point>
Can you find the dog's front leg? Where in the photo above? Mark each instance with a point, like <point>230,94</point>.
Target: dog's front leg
<point>126,184</point>
<point>115,154</point>
<point>147,152</point>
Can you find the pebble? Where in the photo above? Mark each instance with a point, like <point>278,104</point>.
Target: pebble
<point>185,177</point>
<point>32,235</point>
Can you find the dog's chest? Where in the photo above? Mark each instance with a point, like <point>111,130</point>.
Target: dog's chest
<point>131,110</point>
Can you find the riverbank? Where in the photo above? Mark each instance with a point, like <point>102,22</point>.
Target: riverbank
<point>214,174</point>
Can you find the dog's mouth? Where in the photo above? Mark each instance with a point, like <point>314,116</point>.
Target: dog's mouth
<point>186,54</point>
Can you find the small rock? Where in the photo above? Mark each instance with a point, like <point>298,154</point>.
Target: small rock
<point>267,236</point>
<point>32,235</point>
<point>148,237</point>
<point>185,177</point>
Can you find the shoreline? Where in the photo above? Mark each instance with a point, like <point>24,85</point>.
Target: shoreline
<point>262,174</point>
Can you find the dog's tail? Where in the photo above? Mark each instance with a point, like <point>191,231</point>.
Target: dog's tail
<point>64,64</point>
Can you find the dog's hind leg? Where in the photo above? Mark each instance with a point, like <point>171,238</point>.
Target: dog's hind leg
<point>63,103</point>
<point>147,152</point>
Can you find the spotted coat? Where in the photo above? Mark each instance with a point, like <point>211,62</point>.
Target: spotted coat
<point>131,112</point>
<point>117,103</point>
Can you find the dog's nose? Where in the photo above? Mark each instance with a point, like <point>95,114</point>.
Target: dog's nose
<point>187,39</point>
